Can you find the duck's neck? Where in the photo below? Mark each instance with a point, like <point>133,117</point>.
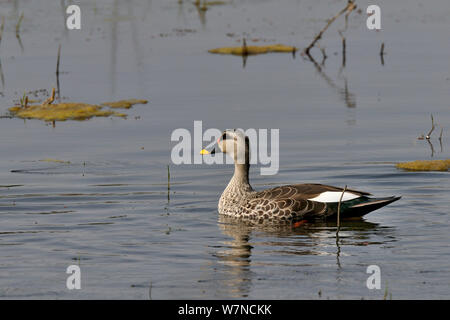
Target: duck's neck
<point>239,184</point>
<point>241,174</point>
<point>238,189</point>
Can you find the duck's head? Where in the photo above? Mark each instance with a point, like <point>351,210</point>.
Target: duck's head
<point>234,143</point>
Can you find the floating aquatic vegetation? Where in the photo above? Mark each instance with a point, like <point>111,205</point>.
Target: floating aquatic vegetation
<point>215,3</point>
<point>49,111</point>
<point>253,50</point>
<point>425,165</point>
<point>54,160</point>
<point>205,4</point>
<point>62,111</point>
<point>126,104</point>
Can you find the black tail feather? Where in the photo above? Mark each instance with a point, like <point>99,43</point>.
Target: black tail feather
<point>372,204</point>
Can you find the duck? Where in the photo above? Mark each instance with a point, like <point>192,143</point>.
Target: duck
<point>287,203</point>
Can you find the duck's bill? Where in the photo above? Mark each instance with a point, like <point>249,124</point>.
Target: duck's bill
<point>211,149</point>
<point>205,151</point>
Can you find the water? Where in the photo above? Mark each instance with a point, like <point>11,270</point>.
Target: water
<point>109,209</point>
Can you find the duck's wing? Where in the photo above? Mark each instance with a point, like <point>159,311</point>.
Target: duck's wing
<point>287,202</point>
<point>320,192</point>
<point>268,206</point>
<point>314,192</point>
<point>307,201</point>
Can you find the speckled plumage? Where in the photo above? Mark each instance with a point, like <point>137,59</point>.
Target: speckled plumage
<point>284,203</point>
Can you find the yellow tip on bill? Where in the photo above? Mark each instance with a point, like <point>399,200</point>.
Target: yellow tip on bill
<point>204,151</point>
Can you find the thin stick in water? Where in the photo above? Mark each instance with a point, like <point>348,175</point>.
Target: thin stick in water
<point>2,26</point>
<point>344,49</point>
<point>168,177</point>
<point>244,47</point>
<point>150,291</point>
<point>18,25</point>
<point>431,147</point>
<point>57,71</point>
<point>50,99</point>
<point>339,213</point>
<point>168,183</point>
<point>348,8</point>
<point>57,59</point>
<point>432,128</point>
<point>324,56</point>
<point>382,53</point>
<point>2,77</point>
<point>18,32</point>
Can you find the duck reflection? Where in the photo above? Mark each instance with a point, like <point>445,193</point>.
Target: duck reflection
<point>235,256</point>
<point>318,238</point>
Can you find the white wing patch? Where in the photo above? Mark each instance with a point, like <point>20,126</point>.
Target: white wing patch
<point>334,196</point>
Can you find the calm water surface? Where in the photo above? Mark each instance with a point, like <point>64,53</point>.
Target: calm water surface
<point>109,209</point>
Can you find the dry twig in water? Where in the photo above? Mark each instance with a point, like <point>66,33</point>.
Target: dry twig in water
<point>382,53</point>
<point>244,47</point>
<point>168,183</point>
<point>324,56</point>
<point>349,8</point>
<point>57,59</point>
<point>50,99</point>
<point>18,32</point>
<point>431,147</point>
<point>18,25</point>
<point>2,26</point>
<point>57,71</point>
<point>344,46</point>
<point>428,136</point>
<point>2,78</point>
<point>339,214</point>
